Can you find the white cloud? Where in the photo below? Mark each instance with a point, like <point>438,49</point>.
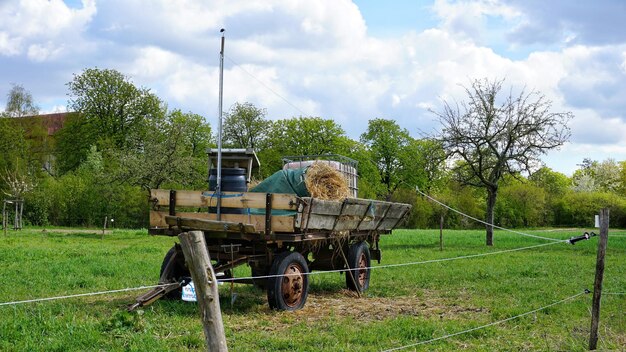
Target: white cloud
<point>468,19</point>
<point>317,55</point>
<point>9,46</point>
<point>41,28</point>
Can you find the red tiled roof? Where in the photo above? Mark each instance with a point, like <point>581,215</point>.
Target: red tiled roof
<point>51,122</point>
<point>54,122</point>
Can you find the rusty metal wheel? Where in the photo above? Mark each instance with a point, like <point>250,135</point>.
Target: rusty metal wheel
<point>359,260</point>
<point>289,290</point>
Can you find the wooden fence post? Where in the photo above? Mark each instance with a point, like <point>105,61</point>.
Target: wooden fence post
<point>441,233</point>
<point>104,228</point>
<point>597,286</point>
<point>4,217</point>
<point>199,264</point>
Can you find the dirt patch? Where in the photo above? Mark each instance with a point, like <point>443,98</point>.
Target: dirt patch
<point>346,305</point>
<point>79,231</point>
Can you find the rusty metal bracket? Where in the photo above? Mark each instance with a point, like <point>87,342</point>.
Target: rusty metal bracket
<point>172,202</point>
<point>268,215</point>
<point>308,216</point>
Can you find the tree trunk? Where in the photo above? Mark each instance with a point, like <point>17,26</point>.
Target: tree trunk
<point>492,193</point>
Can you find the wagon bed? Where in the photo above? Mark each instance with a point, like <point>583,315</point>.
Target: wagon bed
<point>275,234</point>
<point>271,216</point>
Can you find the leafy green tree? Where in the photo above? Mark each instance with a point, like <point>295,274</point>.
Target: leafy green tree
<point>578,208</point>
<point>112,107</point>
<point>23,141</point>
<point>20,102</point>
<point>603,176</point>
<point>307,136</point>
<point>369,180</point>
<point>551,181</point>
<point>387,141</point>
<point>195,132</point>
<point>245,126</point>
<point>607,175</point>
<point>495,136</point>
<point>555,185</point>
<point>73,142</point>
<point>622,177</point>
<point>401,160</point>
<point>13,144</point>
<point>301,136</point>
<point>173,154</point>
<point>521,205</point>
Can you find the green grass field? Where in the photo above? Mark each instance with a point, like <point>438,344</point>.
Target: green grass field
<point>404,305</point>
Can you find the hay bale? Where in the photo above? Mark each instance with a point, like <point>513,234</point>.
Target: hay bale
<point>325,182</point>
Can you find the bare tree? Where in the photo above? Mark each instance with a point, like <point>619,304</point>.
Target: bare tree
<point>20,102</point>
<point>489,136</point>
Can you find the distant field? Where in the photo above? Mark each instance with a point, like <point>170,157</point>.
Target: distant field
<point>404,305</point>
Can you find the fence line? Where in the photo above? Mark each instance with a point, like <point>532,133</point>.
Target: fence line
<point>487,325</point>
<point>85,294</point>
<point>391,265</point>
<point>281,275</point>
<point>486,223</point>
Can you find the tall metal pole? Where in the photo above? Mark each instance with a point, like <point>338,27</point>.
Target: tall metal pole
<point>218,185</point>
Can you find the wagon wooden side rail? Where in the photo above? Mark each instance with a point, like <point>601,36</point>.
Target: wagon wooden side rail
<point>295,214</point>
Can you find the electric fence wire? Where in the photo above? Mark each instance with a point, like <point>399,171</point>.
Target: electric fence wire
<point>280,275</point>
<point>265,85</point>
<point>85,294</point>
<point>390,265</point>
<point>486,325</point>
<point>486,223</point>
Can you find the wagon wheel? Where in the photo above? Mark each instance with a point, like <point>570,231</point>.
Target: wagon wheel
<point>175,272</point>
<point>288,292</point>
<point>359,261</point>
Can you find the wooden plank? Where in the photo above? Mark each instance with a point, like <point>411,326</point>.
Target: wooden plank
<point>353,206</point>
<point>279,223</point>
<point>185,198</point>
<point>210,225</point>
<point>322,214</point>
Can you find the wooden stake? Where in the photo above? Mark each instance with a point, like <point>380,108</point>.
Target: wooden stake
<point>21,214</point>
<point>597,286</point>
<point>349,272</point>
<point>4,217</point>
<point>203,276</point>
<point>15,221</point>
<point>441,233</point>
<point>104,228</point>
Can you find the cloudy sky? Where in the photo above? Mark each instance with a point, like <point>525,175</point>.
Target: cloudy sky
<point>349,61</point>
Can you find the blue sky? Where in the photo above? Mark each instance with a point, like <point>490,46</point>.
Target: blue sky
<point>349,61</point>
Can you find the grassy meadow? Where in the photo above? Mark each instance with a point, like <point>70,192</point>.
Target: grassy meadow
<point>404,305</point>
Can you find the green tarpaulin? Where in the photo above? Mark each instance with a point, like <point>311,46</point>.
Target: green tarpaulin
<point>284,181</point>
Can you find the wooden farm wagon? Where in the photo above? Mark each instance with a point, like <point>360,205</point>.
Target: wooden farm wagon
<point>281,237</point>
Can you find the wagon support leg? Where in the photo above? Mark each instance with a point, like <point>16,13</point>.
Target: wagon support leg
<point>349,272</point>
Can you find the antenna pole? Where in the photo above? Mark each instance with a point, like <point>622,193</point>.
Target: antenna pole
<point>218,185</point>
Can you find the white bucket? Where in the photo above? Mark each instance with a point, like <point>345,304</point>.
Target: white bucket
<point>189,293</point>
